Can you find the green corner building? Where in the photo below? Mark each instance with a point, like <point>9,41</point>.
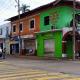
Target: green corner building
<point>52,39</point>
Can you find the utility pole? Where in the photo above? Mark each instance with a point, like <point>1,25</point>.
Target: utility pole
<point>19,10</point>
<point>20,42</point>
<point>74,30</point>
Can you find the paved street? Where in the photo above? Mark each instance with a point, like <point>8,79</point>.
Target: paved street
<point>24,69</point>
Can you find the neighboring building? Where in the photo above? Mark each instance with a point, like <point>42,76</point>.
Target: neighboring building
<point>48,29</point>
<point>4,36</point>
<point>29,24</point>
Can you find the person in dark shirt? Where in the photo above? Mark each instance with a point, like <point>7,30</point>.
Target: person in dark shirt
<point>4,51</point>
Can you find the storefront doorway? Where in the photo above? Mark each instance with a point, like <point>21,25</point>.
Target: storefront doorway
<point>49,47</point>
<point>1,45</point>
<point>30,46</point>
<point>14,48</point>
<point>49,44</point>
<point>68,44</point>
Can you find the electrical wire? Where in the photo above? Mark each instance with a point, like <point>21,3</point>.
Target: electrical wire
<point>8,9</point>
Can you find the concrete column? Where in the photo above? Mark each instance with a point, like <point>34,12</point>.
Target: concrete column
<point>22,43</point>
<point>36,44</point>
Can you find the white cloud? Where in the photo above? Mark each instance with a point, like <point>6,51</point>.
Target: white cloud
<point>8,9</point>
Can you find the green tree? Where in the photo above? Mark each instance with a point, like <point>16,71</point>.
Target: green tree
<point>24,8</point>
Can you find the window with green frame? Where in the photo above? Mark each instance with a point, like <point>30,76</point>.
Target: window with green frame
<point>46,20</point>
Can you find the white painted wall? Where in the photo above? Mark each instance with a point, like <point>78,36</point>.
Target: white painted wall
<point>6,28</point>
<point>66,29</point>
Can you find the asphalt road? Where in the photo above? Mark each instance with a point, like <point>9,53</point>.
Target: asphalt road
<point>71,67</point>
<point>13,68</point>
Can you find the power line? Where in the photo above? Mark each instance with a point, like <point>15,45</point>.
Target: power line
<point>6,7</point>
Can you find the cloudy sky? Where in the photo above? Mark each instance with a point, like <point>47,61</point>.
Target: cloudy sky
<point>8,8</point>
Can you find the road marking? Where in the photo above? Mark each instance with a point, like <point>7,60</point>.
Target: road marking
<point>11,72</point>
<point>33,76</point>
<point>20,74</point>
<point>74,78</point>
<point>52,77</point>
<point>23,76</point>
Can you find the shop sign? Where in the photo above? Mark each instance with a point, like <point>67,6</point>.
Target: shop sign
<point>27,36</point>
<point>16,38</point>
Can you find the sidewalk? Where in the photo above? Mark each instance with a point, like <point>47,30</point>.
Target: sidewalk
<point>30,57</point>
<point>39,58</point>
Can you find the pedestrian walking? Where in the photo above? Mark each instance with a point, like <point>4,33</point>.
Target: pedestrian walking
<point>0,52</point>
<point>4,51</point>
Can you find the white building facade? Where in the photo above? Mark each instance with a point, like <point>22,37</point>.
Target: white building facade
<point>4,36</point>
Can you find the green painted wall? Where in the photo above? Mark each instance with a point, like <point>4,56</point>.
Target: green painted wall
<point>64,16</point>
<point>58,44</point>
<point>40,46</point>
<point>69,48</point>
<point>56,36</point>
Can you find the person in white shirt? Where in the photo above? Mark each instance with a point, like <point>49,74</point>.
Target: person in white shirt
<point>0,52</point>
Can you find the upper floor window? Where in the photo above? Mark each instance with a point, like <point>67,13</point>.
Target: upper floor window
<point>0,31</point>
<point>46,20</point>
<point>32,24</point>
<point>77,17</point>
<point>14,28</point>
<point>77,20</point>
<point>21,27</point>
